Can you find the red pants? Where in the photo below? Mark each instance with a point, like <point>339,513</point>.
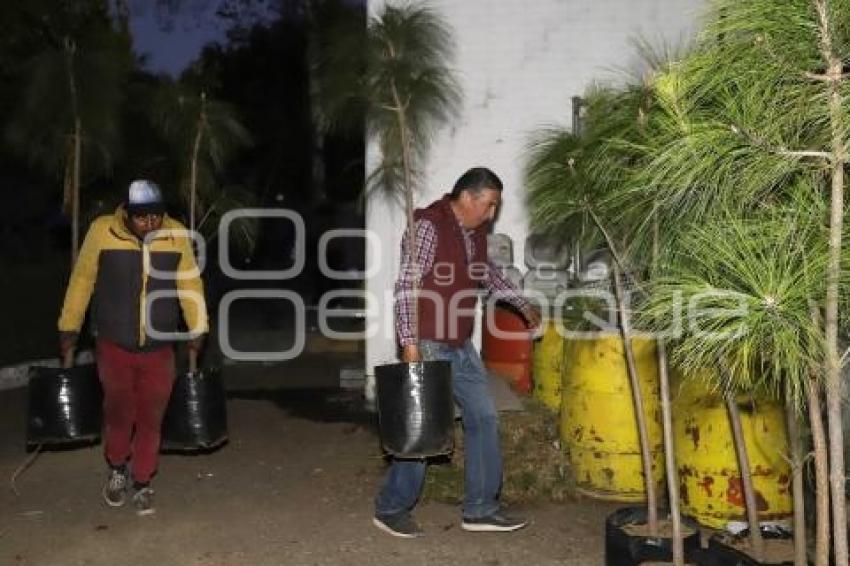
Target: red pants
<point>136,388</point>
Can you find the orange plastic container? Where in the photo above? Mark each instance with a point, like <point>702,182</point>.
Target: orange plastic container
<point>508,357</point>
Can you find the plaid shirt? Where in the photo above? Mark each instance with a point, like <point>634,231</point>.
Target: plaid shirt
<point>426,251</point>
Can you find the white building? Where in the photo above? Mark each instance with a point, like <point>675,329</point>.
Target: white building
<point>519,63</point>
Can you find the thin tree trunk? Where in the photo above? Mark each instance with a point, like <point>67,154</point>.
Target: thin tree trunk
<point>408,205</point>
<point>193,165</point>
<point>667,424</point>
<point>834,388</point>
<point>796,445</point>
<point>756,539</point>
<point>72,186</point>
<point>75,192</point>
<point>822,528</point>
<point>637,395</point>
<point>667,416</point>
<point>669,456</point>
<point>317,155</point>
<point>833,274</point>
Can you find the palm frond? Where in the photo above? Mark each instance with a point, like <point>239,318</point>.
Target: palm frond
<point>43,123</point>
<point>244,230</point>
<point>182,114</point>
<point>401,63</point>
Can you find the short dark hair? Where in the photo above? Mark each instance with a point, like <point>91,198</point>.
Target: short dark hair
<point>476,180</point>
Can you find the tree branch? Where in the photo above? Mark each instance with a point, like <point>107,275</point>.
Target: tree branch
<point>826,78</point>
<point>804,153</point>
<point>784,152</point>
<point>843,359</point>
<point>206,216</point>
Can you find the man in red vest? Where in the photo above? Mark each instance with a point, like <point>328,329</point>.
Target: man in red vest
<point>451,250</point>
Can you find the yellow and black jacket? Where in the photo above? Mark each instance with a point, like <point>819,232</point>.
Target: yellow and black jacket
<point>114,266</point>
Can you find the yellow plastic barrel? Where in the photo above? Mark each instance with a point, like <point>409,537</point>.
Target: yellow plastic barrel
<point>548,367</point>
<point>709,478</point>
<point>598,424</point>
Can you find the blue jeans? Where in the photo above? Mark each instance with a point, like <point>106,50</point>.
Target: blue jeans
<point>483,463</point>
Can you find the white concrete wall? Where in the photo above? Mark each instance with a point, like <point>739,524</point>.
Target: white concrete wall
<point>519,63</point>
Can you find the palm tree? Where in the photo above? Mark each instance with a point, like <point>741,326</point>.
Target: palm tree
<point>203,135</point>
<point>67,119</point>
<point>397,75</point>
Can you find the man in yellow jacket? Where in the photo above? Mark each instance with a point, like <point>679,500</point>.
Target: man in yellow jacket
<point>138,270</point>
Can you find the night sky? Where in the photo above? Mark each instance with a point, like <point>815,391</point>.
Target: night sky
<point>172,45</point>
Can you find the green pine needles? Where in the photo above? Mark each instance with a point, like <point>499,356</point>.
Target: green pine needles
<point>724,185</point>
<point>740,290</point>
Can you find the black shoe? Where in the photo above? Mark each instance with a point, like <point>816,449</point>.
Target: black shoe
<point>143,501</point>
<point>115,488</point>
<point>498,522</point>
<point>400,525</point>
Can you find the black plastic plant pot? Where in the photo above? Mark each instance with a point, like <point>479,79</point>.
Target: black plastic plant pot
<point>196,417</point>
<point>624,549</point>
<point>718,553</point>
<point>415,408</point>
<point>64,406</point>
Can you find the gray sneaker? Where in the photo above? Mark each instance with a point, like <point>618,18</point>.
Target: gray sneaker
<point>400,525</point>
<point>143,501</point>
<point>115,488</point>
<point>498,522</point>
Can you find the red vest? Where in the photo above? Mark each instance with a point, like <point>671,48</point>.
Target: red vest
<point>448,293</point>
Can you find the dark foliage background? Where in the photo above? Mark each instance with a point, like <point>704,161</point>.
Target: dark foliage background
<point>261,70</point>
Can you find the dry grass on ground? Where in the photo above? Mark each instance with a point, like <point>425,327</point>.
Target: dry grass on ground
<point>536,467</point>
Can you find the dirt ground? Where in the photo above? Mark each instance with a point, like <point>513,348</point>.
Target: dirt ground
<point>293,486</point>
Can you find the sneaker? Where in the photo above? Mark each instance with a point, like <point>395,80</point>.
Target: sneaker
<point>115,488</point>
<point>400,525</point>
<point>143,501</point>
<point>498,522</point>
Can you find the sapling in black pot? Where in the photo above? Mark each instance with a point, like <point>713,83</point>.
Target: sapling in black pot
<point>577,180</point>
<point>756,275</point>
<point>396,75</point>
<point>762,126</point>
